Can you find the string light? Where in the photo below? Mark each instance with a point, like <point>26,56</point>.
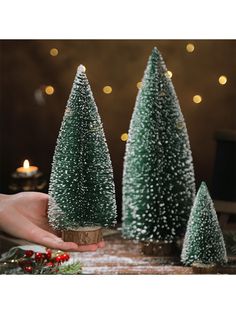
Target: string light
<point>107,89</point>
<point>139,85</point>
<point>54,52</point>
<point>49,90</point>
<point>124,137</point>
<point>222,80</point>
<point>197,99</point>
<point>169,74</point>
<point>190,47</point>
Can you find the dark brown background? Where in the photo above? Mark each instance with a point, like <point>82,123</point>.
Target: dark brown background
<point>29,127</point>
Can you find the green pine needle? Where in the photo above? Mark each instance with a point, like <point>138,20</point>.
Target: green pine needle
<point>71,269</point>
<point>158,178</point>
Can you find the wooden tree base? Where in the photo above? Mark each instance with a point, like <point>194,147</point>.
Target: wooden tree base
<point>83,235</point>
<point>199,268</point>
<point>160,249</point>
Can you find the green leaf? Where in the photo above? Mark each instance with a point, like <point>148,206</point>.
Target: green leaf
<point>71,269</point>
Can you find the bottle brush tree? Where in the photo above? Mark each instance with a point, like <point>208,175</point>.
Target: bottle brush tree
<point>81,189</point>
<point>203,242</point>
<point>158,177</point>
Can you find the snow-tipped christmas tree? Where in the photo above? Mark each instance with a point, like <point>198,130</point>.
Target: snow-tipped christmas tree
<point>203,242</point>
<point>158,178</point>
<point>81,190</point>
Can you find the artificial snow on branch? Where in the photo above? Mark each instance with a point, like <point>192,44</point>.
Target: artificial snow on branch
<point>158,177</point>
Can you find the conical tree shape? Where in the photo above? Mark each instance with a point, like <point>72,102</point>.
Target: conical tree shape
<point>203,242</point>
<point>158,178</point>
<point>81,186</point>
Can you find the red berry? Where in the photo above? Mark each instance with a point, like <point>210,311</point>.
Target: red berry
<point>62,257</point>
<point>65,257</point>
<point>48,254</point>
<point>29,253</point>
<point>58,259</point>
<point>28,269</point>
<point>38,256</point>
<point>50,264</point>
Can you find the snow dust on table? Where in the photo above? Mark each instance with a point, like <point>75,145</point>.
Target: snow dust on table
<point>124,257</point>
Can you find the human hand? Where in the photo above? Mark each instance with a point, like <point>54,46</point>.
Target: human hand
<point>24,215</point>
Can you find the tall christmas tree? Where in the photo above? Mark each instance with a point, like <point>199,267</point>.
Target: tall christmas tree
<point>203,242</point>
<point>158,178</point>
<point>81,190</point>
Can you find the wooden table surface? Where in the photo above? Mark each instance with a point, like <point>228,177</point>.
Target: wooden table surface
<point>124,257</point>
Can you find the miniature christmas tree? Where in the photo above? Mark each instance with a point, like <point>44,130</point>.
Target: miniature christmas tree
<point>158,178</point>
<point>203,242</point>
<point>81,190</point>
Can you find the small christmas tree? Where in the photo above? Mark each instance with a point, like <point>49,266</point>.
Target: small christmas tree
<point>203,242</point>
<point>81,190</point>
<point>158,178</point>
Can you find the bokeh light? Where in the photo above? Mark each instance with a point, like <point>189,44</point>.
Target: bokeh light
<point>107,89</point>
<point>54,52</point>
<point>197,99</point>
<point>124,137</point>
<point>190,47</point>
<point>169,74</point>
<point>49,90</point>
<point>139,85</point>
<point>222,80</point>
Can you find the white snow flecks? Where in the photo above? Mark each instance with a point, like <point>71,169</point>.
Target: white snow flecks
<point>81,182</point>
<point>203,240</point>
<point>158,168</point>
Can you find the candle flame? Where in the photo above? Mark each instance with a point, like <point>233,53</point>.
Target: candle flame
<point>26,164</point>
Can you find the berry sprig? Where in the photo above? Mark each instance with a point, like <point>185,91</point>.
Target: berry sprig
<point>19,261</point>
<point>39,263</point>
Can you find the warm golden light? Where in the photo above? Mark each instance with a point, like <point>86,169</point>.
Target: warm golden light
<point>124,137</point>
<point>169,74</point>
<point>26,164</point>
<point>197,99</point>
<point>26,170</point>
<point>107,89</point>
<point>54,52</point>
<point>139,85</point>
<point>190,47</point>
<point>49,90</point>
<point>222,80</point>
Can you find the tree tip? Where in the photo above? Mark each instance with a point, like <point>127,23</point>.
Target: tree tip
<point>203,184</point>
<point>154,49</point>
<point>81,69</point>
<point>203,187</point>
<point>155,55</point>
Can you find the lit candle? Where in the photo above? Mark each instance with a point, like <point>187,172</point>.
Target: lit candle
<point>27,170</point>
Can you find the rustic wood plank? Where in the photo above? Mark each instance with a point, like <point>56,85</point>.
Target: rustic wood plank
<point>125,257</point>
